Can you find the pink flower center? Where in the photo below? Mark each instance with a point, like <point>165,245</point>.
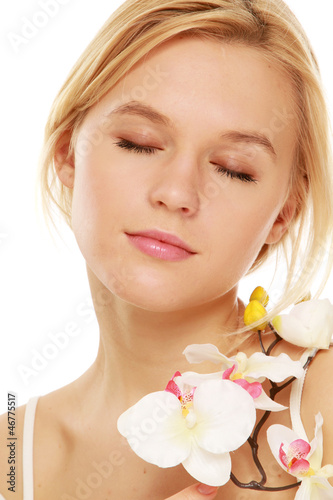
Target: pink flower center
<point>295,458</point>
<point>185,398</point>
<point>253,388</point>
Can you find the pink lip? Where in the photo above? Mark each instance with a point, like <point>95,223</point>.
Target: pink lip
<point>161,245</point>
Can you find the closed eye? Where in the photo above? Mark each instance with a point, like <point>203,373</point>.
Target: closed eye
<point>234,174</point>
<point>136,148</point>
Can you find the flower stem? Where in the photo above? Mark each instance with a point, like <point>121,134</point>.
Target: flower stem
<point>254,485</point>
<point>253,440</point>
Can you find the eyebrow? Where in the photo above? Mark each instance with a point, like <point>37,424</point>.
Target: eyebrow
<point>146,111</point>
<point>250,137</point>
<point>140,109</point>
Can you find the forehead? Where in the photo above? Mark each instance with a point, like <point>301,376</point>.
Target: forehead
<point>207,85</point>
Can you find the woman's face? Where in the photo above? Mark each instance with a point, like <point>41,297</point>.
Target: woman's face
<point>214,171</point>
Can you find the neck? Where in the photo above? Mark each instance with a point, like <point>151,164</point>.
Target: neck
<point>140,350</point>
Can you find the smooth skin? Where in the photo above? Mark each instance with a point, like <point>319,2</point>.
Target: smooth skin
<point>150,309</point>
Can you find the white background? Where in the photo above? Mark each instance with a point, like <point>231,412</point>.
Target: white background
<point>44,289</point>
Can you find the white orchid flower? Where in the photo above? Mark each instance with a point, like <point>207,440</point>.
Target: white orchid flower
<point>194,426</point>
<point>250,372</point>
<point>308,324</point>
<point>303,460</point>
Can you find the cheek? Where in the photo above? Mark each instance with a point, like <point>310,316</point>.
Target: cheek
<point>89,199</point>
<point>98,187</point>
<point>105,198</point>
<point>241,222</point>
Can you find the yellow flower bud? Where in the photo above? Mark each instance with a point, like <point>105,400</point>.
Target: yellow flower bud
<point>255,311</point>
<point>277,322</point>
<point>261,295</point>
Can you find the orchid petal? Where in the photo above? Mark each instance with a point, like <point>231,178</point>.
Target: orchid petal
<point>308,324</point>
<point>253,388</point>
<point>173,388</point>
<point>299,468</point>
<point>275,368</point>
<point>197,353</point>
<point>263,402</point>
<point>316,455</point>
<point>225,415</point>
<point>311,310</point>
<point>293,331</point>
<point>316,488</point>
<point>326,471</point>
<point>283,456</point>
<point>156,430</point>
<point>279,434</point>
<point>207,467</point>
<point>241,362</point>
<point>195,379</point>
<point>226,374</point>
<point>299,449</point>
<point>305,490</point>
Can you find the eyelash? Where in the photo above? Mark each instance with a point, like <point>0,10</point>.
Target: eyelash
<point>136,148</point>
<point>123,143</point>
<point>232,174</point>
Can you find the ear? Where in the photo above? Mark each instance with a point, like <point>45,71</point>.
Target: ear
<point>64,161</point>
<point>282,221</point>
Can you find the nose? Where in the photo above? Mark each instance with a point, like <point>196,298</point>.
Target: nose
<point>176,186</point>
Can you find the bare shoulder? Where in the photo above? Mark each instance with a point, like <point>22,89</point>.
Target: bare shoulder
<point>49,447</point>
<point>51,442</point>
<point>318,397</point>
<point>11,439</point>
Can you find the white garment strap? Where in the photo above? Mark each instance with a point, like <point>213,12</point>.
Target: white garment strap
<point>296,396</point>
<point>28,439</point>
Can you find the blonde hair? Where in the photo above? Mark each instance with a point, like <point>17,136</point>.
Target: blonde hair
<point>138,26</point>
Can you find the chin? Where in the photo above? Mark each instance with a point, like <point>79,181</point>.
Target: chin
<point>144,296</point>
<point>150,300</point>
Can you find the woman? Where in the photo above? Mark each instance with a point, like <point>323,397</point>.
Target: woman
<point>189,142</point>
